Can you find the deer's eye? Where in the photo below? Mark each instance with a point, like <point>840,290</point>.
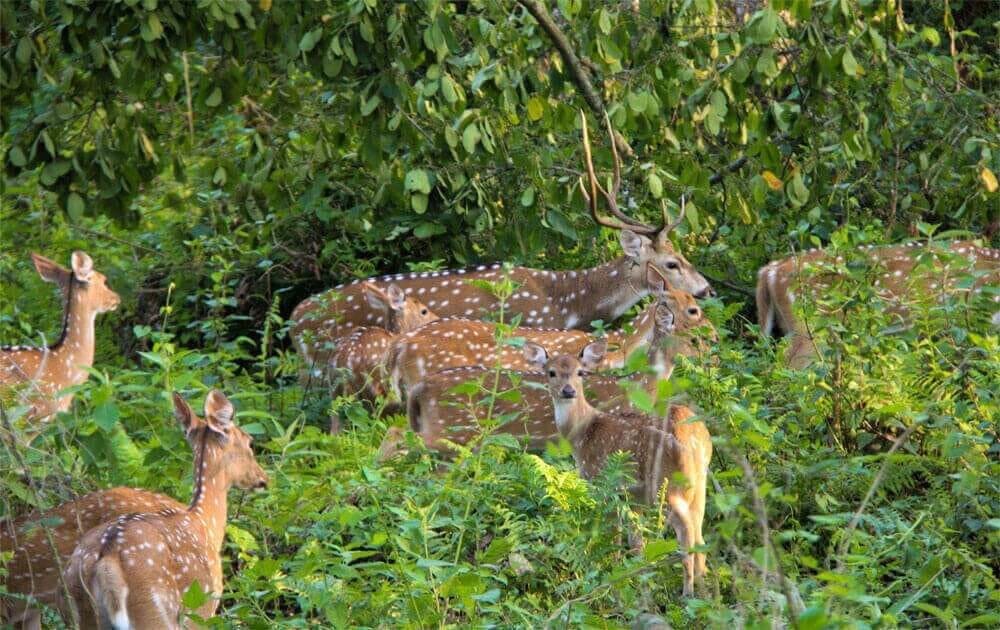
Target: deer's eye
<point>692,311</point>
<point>672,265</point>
<point>579,372</point>
<point>423,311</point>
<point>552,373</point>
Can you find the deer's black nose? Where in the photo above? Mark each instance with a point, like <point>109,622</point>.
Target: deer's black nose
<point>568,392</point>
<point>707,292</point>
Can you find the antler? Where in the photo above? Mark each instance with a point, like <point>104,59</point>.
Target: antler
<point>668,226</point>
<point>622,220</point>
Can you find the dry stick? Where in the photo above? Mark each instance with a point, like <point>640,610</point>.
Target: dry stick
<point>187,90</point>
<point>577,72</point>
<point>760,511</point>
<point>16,454</point>
<point>876,482</point>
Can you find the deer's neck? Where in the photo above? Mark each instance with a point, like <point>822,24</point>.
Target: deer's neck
<point>642,335</point>
<point>572,417</point>
<point>209,503</point>
<point>603,292</point>
<point>75,347</point>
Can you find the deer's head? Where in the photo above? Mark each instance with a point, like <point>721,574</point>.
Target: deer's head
<point>642,243</point>
<point>565,372</point>
<point>224,442</point>
<point>89,286</point>
<point>402,314</point>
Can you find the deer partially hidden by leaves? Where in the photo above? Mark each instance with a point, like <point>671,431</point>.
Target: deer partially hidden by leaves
<point>675,450</point>
<point>358,364</point>
<point>543,299</point>
<point>131,572</point>
<point>901,273</point>
<point>449,343</point>
<point>448,406</point>
<point>35,375</point>
<point>41,544</point>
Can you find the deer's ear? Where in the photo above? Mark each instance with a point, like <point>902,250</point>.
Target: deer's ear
<point>184,414</point>
<point>397,297</point>
<point>593,354</point>
<point>655,280</point>
<point>219,412</point>
<point>632,243</point>
<point>376,297</point>
<point>49,270</point>
<point>535,355</point>
<point>83,266</point>
<point>665,318</point>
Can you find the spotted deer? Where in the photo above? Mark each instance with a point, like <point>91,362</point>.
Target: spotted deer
<point>449,343</point>
<point>37,375</point>
<point>543,299</point>
<point>441,409</point>
<point>899,279</point>
<point>361,356</point>
<point>132,571</point>
<point>674,450</point>
<point>41,543</point>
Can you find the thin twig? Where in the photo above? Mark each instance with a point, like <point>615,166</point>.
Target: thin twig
<point>187,91</point>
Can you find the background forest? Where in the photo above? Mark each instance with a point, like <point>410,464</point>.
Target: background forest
<point>221,160</point>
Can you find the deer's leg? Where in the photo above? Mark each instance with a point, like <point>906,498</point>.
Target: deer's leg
<point>698,519</point>
<point>680,519</point>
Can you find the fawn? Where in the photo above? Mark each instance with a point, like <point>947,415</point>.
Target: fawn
<point>132,571</point>
<point>675,450</point>
<point>40,373</point>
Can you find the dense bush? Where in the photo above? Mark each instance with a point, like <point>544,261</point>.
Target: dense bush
<point>222,160</point>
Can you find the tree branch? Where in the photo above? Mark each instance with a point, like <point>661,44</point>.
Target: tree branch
<point>577,72</point>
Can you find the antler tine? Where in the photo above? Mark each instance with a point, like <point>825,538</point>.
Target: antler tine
<point>595,186</point>
<point>636,225</point>
<point>668,226</point>
<point>623,222</point>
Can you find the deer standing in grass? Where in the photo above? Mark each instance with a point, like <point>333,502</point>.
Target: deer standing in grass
<point>439,414</point>
<point>131,572</point>
<point>675,450</point>
<point>904,272</point>
<point>543,299</point>
<point>41,544</point>
<point>37,375</point>
<point>363,353</point>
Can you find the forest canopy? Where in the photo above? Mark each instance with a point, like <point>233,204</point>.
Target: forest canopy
<point>223,160</point>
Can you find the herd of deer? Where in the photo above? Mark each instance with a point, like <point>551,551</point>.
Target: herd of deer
<point>123,558</point>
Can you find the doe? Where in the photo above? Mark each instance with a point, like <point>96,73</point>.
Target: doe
<point>675,450</point>
<point>132,572</point>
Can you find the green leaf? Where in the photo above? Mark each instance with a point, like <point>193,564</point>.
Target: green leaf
<point>536,108</point>
<point>369,105</point>
<point>106,416</point>
<point>53,171</point>
<point>426,229</point>
<point>850,64</point>
<point>24,51</point>
<point>194,597</point>
<point>151,29</point>
<point>471,137</point>
<point>418,201</point>
<point>528,197</point>
<point>558,222</point>
<point>796,190</point>
<point>637,101</point>
<point>655,185</point>
<point>656,549</point>
<point>930,35</point>
<point>418,180</point>
<point>75,206</point>
<point>604,22</point>
<point>310,39</point>
<point>16,156</point>
<point>214,98</point>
